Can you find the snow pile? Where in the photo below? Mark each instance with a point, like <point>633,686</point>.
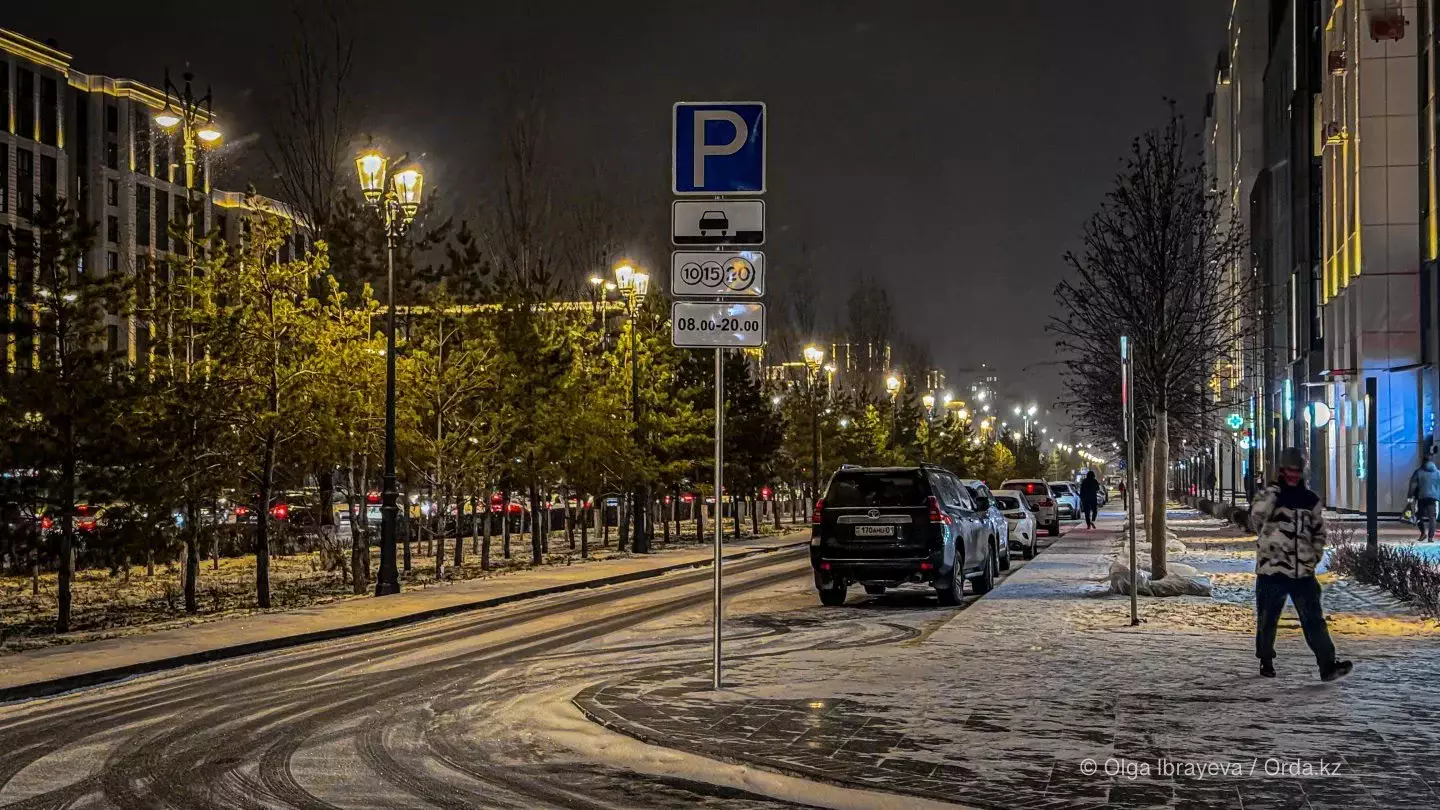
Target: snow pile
<point>1180,581</point>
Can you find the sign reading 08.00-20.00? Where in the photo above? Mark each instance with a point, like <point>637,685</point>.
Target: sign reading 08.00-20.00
<point>717,324</point>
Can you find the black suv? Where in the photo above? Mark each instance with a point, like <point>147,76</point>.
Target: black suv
<point>883,526</point>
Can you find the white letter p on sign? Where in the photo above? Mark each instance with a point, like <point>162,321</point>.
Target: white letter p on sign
<point>703,149</point>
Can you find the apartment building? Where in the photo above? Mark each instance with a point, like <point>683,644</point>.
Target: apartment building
<point>92,140</point>
<point>1234,152</point>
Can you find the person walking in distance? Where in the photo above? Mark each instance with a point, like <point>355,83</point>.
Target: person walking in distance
<point>1425,491</point>
<point>1090,498</point>
<point>1291,540</point>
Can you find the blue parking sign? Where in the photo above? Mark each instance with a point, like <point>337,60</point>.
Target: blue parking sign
<point>718,147</point>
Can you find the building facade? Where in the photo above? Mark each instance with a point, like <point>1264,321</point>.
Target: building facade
<point>1234,150</point>
<point>91,141</point>
<point>1370,209</point>
<point>1341,218</point>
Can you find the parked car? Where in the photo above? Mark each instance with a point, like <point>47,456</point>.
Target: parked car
<point>1023,527</point>
<point>1037,494</point>
<point>985,506</point>
<point>884,526</point>
<point>1067,497</point>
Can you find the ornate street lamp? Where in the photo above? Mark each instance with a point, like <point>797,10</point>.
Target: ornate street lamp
<point>814,356</point>
<point>396,197</point>
<point>196,119</point>
<point>892,385</point>
<point>634,284</point>
<point>194,116</point>
<point>929,400</point>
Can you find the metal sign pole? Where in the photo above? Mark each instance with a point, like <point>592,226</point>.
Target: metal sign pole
<point>719,500</point>
<point>1127,370</point>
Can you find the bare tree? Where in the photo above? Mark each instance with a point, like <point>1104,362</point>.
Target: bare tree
<point>1157,265</point>
<point>313,119</point>
<point>312,126</point>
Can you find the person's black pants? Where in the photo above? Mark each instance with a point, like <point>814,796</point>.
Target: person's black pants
<point>1427,519</point>
<point>1090,511</point>
<point>1304,592</point>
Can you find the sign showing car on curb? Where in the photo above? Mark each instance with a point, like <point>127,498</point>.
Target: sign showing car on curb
<point>721,274</point>
<point>717,324</point>
<point>717,222</point>
<point>718,147</point>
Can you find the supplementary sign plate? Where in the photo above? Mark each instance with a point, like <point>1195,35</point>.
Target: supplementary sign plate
<point>717,222</point>
<point>722,274</point>
<point>717,325</point>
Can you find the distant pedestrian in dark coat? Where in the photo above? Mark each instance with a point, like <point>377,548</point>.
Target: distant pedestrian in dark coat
<point>1090,498</point>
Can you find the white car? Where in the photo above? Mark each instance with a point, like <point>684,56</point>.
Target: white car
<point>1016,509</point>
<point>1037,495</point>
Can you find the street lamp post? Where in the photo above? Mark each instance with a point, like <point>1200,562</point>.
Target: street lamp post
<point>814,356</point>
<point>396,197</point>
<point>892,384</point>
<point>196,119</point>
<point>929,401</point>
<point>634,285</point>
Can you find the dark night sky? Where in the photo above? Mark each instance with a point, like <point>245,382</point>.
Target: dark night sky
<point>950,149</point>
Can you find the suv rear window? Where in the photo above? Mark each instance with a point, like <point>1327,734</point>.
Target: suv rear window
<point>1027,487</point>
<point>863,489</point>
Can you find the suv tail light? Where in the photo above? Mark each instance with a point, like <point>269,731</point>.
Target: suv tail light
<point>1046,502</point>
<point>819,505</point>
<point>936,515</point>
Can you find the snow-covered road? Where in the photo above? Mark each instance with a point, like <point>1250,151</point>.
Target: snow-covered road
<point>469,711</point>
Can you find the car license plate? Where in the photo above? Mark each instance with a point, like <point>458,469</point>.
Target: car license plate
<point>874,531</point>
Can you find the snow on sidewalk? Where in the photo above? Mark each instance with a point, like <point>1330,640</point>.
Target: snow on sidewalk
<point>1023,701</point>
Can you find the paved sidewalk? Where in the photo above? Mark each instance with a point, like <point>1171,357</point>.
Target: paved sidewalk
<point>1014,701</point>
<point>53,669</point>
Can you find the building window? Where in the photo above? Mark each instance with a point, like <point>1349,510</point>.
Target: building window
<point>112,229</point>
<point>25,104</point>
<point>112,155</point>
<point>49,178</point>
<point>112,261</point>
<point>49,112</point>
<point>162,156</point>
<point>143,281</point>
<point>185,223</point>
<point>4,96</point>
<point>24,295</point>
<point>142,215</point>
<point>80,103</point>
<point>112,192</point>
<point>162,220</point>
<point>112,338</point>
<point>112,119</point>
<point>142,143</point>
<point>25,183</point>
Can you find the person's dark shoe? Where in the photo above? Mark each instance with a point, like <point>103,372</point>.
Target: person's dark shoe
<point>1267,668</point>
<point>1336,671</point>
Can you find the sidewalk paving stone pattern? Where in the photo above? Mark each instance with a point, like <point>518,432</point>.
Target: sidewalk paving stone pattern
<point>1011,704</point>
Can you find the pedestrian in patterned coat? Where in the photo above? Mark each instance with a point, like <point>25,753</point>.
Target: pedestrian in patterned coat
<point>1291,541</point>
